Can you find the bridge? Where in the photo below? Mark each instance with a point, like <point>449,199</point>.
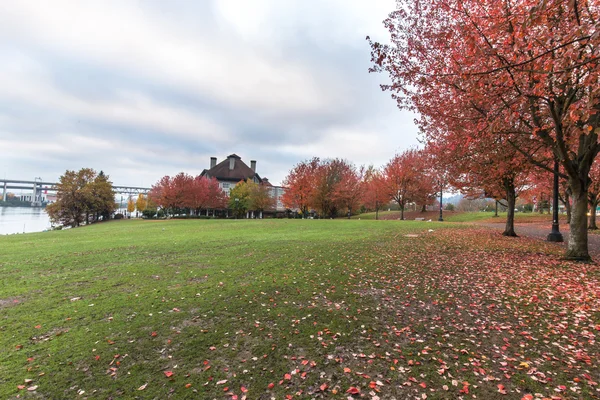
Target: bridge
<point>37,186</point>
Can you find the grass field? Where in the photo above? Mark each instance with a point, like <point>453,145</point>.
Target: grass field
<point>294,309</point>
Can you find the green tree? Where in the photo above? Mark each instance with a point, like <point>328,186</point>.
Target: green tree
<point>239,198</point>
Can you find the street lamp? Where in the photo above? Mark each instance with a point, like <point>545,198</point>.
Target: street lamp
<point>237,202</point>
<point>555,235</point>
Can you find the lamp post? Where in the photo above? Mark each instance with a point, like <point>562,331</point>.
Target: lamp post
<point>237,202</point>
<point>441,219</point>
<point>555,235</point>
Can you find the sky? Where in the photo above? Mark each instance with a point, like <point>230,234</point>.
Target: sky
<point>147,88</point>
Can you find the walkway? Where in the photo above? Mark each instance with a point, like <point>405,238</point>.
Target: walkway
<point>541,231</point>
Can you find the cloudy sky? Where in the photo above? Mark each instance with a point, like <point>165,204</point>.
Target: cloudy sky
<point>142,89</point>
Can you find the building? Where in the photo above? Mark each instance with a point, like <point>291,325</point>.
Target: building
<point>230,171</point>
<point>233,170</point>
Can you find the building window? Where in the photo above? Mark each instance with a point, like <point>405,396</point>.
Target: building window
<point>225,185</point>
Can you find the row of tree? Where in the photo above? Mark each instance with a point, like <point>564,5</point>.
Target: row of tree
<point>184,193</point>
<point>502,88</point>
<point>334,187</point>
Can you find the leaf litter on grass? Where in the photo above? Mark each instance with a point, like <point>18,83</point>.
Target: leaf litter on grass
<point>456,314</point>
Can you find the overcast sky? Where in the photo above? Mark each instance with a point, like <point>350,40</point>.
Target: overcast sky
<point>142,89</point>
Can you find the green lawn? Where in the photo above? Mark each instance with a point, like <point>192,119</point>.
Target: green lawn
<point>297,308</point>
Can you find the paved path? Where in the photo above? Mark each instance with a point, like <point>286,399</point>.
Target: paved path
<point>541,231</point>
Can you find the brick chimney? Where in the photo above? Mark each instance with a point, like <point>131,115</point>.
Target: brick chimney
<point>213,162</point>
<point>231,163</point>
<point>253,165</point>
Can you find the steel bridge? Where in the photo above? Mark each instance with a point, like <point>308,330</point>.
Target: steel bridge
<point>37,186</point>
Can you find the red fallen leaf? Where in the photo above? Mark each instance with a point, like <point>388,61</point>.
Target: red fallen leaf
<point>97,358</point>
<point>38,326</point>
<point>176,309</point>
<point>168,374</point>
<point>501,389</point>
<point>20,387</point>
<point>527,397</point>
<point>244,390</point>
<point>323,387</point>
<point>19,346</point>
<point>271,385</point>
<point>465,389</point>
<point>304,362</point>
<point>353,390</point>
<point>347,370</point>
<point>423,385</point>
<point>30,359</point>
<point>188,385</point>
<point>289,396</point>
<point>154,334</point>
<point>287,377</point>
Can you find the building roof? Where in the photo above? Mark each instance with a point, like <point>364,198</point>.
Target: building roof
<point>239,172</point>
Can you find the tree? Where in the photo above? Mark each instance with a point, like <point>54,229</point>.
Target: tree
<point>529,69</point>
<point>299,185</point>
<point>239,197</point>
<point>594,194</point>
<point>260,198</point>
<point>217,198</point>
<point>141,203</point>
<point>102,197</point>
<point>196,194</point>
<point>348,192</point>
<point>406,180</point>
<point>79,195</point>
<point>374,192</point>
<point>130,205</point>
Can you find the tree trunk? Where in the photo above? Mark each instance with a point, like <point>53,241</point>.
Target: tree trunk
<point>592,224</point>
<point>578,237</point>
<point>567,204</point>
<point>511,199</point>
<point>424,208</point>
<point>402,212</point>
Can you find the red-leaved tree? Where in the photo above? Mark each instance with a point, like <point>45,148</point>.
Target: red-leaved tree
<point>524,70</point>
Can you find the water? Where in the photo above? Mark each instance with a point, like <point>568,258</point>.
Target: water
<point>23,219</point>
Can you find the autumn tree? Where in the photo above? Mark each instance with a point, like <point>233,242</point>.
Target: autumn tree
<point>594,194</point>
<point>130,205</point>
<point>217,198</point>
<point>529,68</point>
<point>406,180</point>
<point>299,185</point>
<point>348,192</point>
<point>141,203</point>
<point>79,195</point>
<point>374,194</point>
<point>261,199</point>
<point>196,195</point>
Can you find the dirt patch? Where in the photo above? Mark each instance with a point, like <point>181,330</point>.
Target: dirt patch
<point>10,302</point>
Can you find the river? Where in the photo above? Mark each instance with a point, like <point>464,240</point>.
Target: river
<point>23,220</point>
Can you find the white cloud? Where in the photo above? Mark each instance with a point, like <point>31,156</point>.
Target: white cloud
<point>277,81</point>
